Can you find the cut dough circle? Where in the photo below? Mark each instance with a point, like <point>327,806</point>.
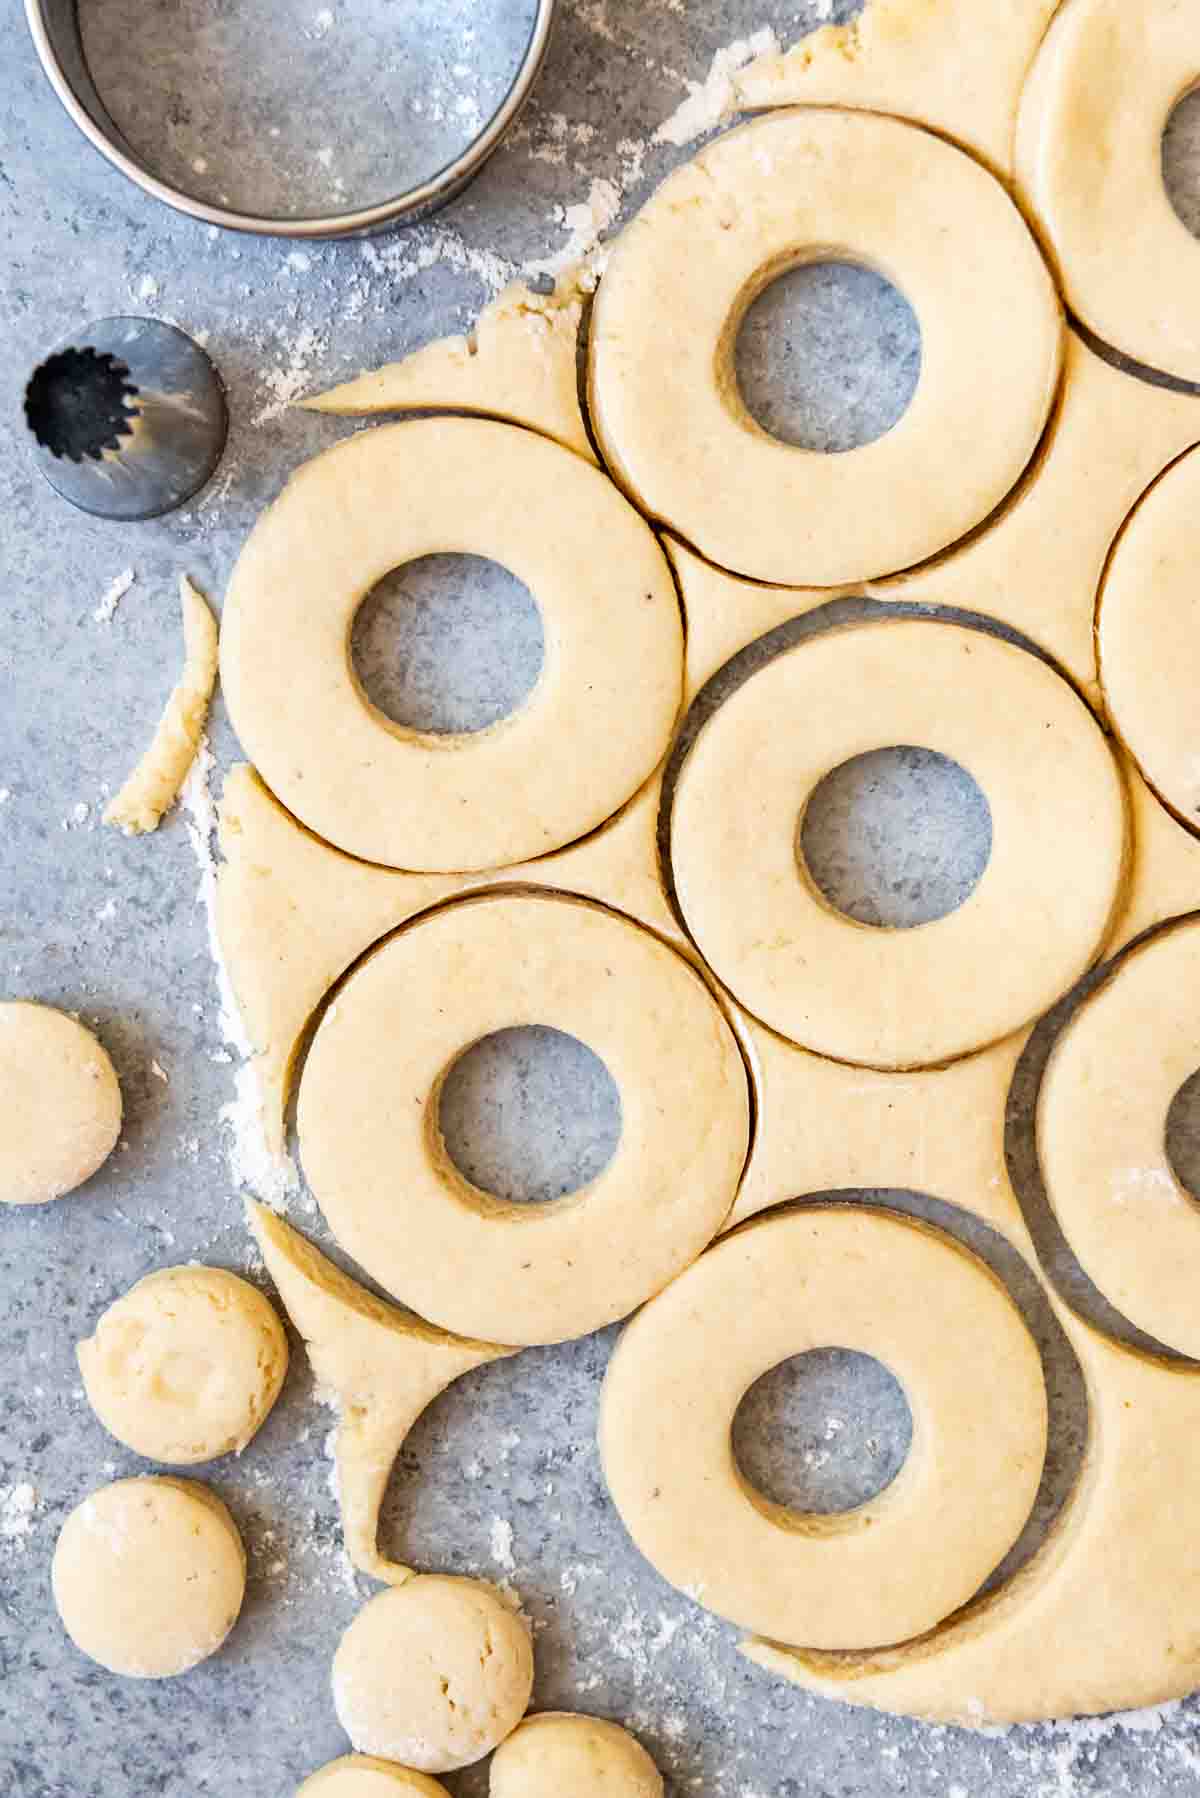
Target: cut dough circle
<point>558,1753</point>
<point>363,1776</point>
<point>149,1576</point>
<point>186,1365</point>
<point>896,998</point>
<point>1101,1132</point>
<point>375,1160</point>
<point>802,186</point>
<point>816,1278</point>
<point>1148,635</point>
<point>611,621</point>
<point>433,1674</point>
<point>60,1102</point>
<point>1089,166</point>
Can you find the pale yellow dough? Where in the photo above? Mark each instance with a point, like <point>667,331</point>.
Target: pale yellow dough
<point>1102,1118</point>
<point>868,1281</point>
<point>362,1776</point>
<point>380,1366</point>
<point>518,363</point>
<point>806,186</point>
<point>433,1675</point>
<point>1089,168</point>
<point>610,615</point>
<point>154,784</point>
<point>149,1576</point>
<point>958,69</point>
<point>561,1755</point>
<point>1040,913</point>
<point>376,1163</point>
<point>59,1100</point>
<point>1148,632</point>
<point>186,1365</point>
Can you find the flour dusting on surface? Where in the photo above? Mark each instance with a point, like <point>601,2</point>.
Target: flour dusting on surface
<point>502,1544</point>
<point>17,1506</point>
<point>112,596</point>
<point>713,99</point>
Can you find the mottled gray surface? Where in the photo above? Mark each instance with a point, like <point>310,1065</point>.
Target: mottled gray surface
<point>113,929</point>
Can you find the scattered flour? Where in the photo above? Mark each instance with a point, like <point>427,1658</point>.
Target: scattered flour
<point>585,224</point>
<point>113,594</point>
<point>286,383</point>
<point>710,100</point>
<point>17,1506</point>
<point>502,1544</point>
<point>147,288</point>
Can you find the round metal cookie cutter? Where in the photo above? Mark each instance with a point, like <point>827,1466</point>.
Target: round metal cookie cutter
<point>56,35</point>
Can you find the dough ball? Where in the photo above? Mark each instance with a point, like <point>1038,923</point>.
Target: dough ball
<point>360,1776</point>
<point>186,1365</point>
<point>557,1753</point>
<point>433,1674</point>
<point>149,1576</point>
<point>59,1100</point>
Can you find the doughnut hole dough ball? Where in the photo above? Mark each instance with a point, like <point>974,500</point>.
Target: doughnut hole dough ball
<point>433,1674</point>
<point>186,1365</point>
<point>896,998</point>
<point>149,1576</point>
<point>598,718</point>
<point>803,186</point>
<point>560,1755</point>
<point>362,1776</point>
<point>1089,168</point>
<point>1148,633</point>
<point>59,1100</point>
<point>821,1277</point>
<point>374,1156</point>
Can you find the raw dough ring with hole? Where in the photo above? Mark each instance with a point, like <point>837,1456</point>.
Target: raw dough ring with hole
<point>806,186</point>
<point>1148,636</point>
<point>60,1103</point>
<point>1101,1132</point>
<point>882,1285</point>
<point>186,1365</point>
<point>373,1153</point>
<point>549,773</point>
<point>1089,165</point>
<point>894,998</point>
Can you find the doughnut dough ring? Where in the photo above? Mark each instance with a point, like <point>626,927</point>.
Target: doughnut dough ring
<point>613,636</point>
<point>803,186</point>
<point>1089,169</point>
<point>186,1365</point>
<point>60,1100</point>
<point>558,1753</point>
<point>376,1163</point>
<point>1101,1124</point>
<point>149,1576</point>
<point>958,70</point>
<point>869,1281</point>
<point>433,1674</point>
<point>362,1776</point>
<point>883,997</point>
<point>382,1366</point>
<point>1148,633</point>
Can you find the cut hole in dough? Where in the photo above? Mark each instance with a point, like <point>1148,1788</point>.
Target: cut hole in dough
<point>818,185</point>
<point>896,837</point>
<point>149,1576</point>
<point>828,356</point>
<point>186,1365</point>
<point>1183,1135</point>
<point>433,1674</point>
<point>448,645</point>
<point>529,1114</point>
<point>891,998</point>
<point>378,1166</point>
<point>59,1100</point>
<point>562,1755</point>
<point>363,1776</point>
<point>823,1432</point>
<point>609,610</point>
<point>887,1287</point>
<point>1181,161</point>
